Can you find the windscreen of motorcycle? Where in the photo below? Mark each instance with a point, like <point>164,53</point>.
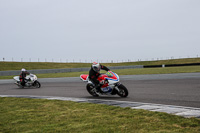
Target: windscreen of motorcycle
<point>112,76</point>
<point>109,74</point>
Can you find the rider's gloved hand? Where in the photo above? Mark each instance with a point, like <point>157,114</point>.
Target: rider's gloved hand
<point>102,82</point>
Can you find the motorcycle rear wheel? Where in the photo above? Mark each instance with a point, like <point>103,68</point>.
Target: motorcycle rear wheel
<point>123,91</point>
<point>90,88</point>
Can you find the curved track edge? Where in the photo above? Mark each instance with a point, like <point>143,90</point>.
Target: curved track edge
<point>183,111</point>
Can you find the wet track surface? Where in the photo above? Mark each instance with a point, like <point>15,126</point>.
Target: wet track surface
<point>170,89</point>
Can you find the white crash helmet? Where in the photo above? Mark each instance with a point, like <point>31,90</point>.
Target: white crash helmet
<point>96,67</point>
<point>23,70</point>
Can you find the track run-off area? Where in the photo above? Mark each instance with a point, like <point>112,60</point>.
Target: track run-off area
<point>171,93</point>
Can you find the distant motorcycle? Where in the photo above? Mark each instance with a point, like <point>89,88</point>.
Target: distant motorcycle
<point>110,85</point>
<point>31,80</point>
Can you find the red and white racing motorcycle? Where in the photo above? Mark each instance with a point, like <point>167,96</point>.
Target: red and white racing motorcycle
<point>111,85</point>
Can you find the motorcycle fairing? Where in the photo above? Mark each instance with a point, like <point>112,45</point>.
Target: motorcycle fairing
<point>108,76</point>
<point>112,76</point>
<point>107,89</point>
<point>84,77</point>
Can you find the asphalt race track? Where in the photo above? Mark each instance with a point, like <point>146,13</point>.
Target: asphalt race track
<point>169,89</point>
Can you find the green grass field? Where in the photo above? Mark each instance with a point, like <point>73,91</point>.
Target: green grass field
<point>140,71</point>
<point>4,66</point>
<point>35,65</point>
<point>36,115</point>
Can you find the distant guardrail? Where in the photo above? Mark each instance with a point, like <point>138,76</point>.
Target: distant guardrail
<point>43,71</point>
<point>65,70</point>
<point>171,65</point>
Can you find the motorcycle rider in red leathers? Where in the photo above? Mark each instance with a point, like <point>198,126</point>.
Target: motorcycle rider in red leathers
<point>94,73</point>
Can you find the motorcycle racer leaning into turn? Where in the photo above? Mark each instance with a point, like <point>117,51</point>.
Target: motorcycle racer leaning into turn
<point>22,76</point>
<point>94,73</point>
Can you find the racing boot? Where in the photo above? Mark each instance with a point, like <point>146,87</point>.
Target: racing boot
<point>98,88</point>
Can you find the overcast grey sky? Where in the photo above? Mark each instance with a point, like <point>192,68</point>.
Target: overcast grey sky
<point>99,30</point>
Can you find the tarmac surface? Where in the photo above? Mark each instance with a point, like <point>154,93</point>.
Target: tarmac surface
<point>177,94</point>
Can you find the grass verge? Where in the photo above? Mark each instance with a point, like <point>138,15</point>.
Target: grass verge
<point>4,66</point>
<point>39,115</point>
<point>139,71</point>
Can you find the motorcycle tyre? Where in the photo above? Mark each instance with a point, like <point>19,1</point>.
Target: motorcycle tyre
<point>124,89</point>
<point>89,88</point>
<point>19,85</point>
<point>37,84</point>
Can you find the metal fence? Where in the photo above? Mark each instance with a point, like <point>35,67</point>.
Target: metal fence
<point>62,60</point>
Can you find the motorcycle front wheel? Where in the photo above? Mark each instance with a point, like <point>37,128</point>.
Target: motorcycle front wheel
<point>37,84</point>
<point>123,91</point>
<point>90,88</point>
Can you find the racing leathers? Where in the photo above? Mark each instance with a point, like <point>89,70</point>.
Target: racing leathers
<point>93,76</point>
<point>22,77</point>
